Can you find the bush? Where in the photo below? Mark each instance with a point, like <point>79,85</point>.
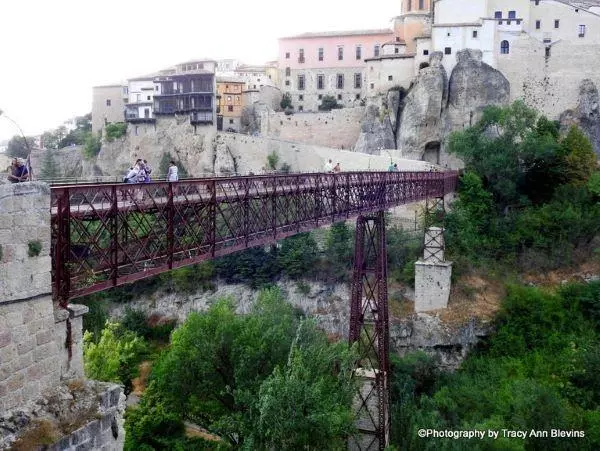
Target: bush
<point>329,103</point>
<point>115,130</point>
<point>91,147</point>
<point>34,247</point>
<point>286,102</point>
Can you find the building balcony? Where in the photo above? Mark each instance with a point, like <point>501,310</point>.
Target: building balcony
<point>201,118</point>
<point>301,59</point>
<point>135,118</point>
<point>172,109</point>
<point>177,92</point>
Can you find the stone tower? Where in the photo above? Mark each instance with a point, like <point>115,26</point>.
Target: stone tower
<point>414,21</point>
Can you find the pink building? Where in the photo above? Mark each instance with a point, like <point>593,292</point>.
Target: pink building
<point>312,65</point>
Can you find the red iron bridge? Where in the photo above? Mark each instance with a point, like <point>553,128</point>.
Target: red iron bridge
<point>106,235</point>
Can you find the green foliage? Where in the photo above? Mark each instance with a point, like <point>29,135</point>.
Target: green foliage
<point>255,267</point>
<point>286,101</point>
<point>580,156</point>
<point>298,256</point>
<point>524,196</point>
<point>136,321</point>
<point>114,130</point>
<point>91,146</point>
<point>17,146</point>
<point>329,103</point>
<point>338,252</point>
<point>34,247</point>
<point>115,357</point>
<point>306,404</point>
<point>95,320</point>
<point>49,169</point>
<point>594,184</point>
<point>285,168</point>
<point>190,278</point>
<point>403,250</point>
<point>272,160</point>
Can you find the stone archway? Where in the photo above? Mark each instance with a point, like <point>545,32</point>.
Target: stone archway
<point>432,152</point>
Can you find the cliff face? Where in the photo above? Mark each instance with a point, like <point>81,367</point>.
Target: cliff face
<point>435,106</point>
<point>587,113</point>
<point>376,132</point>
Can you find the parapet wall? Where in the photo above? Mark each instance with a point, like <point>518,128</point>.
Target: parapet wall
<point>33,355</point>
<point>338,129</point>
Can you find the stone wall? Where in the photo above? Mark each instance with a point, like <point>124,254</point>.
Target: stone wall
<point>251,153</point>
<point>338,129</point>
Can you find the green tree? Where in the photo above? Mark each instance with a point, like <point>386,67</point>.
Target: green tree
<point>307,404</point>
<point>17,146</point>
<point>92,146</point>
<point>49,169</point>
<point>298,255</point>
<point>580,156</point>
<point>286,101</point>
<point>77,136</point>
<point>272,160</point>
<point>329,103</point>
<point>115,130</point>
<point>338,251</point>
<point>115,356</point>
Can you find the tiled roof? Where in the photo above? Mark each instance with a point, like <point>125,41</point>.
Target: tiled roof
<point>328,34</point>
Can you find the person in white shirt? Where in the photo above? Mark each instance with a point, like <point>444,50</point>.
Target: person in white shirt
<point>328,166</point>
<point>172,174</point>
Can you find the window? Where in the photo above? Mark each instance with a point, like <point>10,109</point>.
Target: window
<point>376,50</point>
<point>538,24</point>
<point>512,14</point>
<point>357,81</point>
<point>301,55</point>
<point>372,85</point>
<point>390,78</point>
<point>320,81</point>
<point>340,53</point>
<point>474,34</point>
<point>425,52</point>
<point>300,108</point>
<point>230,108</point>
<point>537,2</point>
<point>288,71</point>
<point>548,52</point>
<point>498,15</point>
<point>556,23</point>
<point>107,102</point>
<point>340,81</point>
<point>321,53</point>
<point>156,88</point>
<point>301,97</point>
<point>358,52</point>
<point>504,47</point>
<point>357,96</point>
<point>146,112</point>
<point>300,82</point>
<point>581,31</point>
<point>231,121</point>
<point>421,4</point>
<point>229,98</point>
<point>409,7</point>
<point>396,50</point>
<point>339,97</point>
<point>125,90</point>
<point>287,55</point>
<point>448,51</point>
<point>148,98</point>
<point>320,96</point>
<point>287,82</point>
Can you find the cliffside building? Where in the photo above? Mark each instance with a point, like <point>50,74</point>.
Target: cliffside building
<point>139,103</point>
<point>229,98</point>
<point>107,105</point>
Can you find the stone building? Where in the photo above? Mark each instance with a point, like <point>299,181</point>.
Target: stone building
<point>107,105</point>
<point>255,77</point>
<point>229,98</point>
<point>313,65</point>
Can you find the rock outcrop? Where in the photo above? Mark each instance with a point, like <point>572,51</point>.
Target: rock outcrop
<point>421,118</point>
<point>587,113</point>
<point>473,86</point>
<point>376,132</point>
<point>68,163</point>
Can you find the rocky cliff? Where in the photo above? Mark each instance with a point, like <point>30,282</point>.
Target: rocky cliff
<point>587,113</point>
<point>376,131</point>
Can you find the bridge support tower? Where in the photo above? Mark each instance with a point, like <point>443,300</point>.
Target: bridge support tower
<point>369,328</point>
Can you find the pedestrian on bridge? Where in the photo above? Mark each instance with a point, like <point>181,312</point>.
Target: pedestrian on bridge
<point>172,173</point>
<point>328,167</point>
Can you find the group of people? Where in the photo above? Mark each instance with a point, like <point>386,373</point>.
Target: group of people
<point>331,169</point>
<point>141,170</point>
<point>18,171</point>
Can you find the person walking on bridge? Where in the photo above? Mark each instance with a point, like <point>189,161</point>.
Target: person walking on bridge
<point>328,167</point>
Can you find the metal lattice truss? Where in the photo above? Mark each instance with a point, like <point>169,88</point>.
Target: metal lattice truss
<point>111,234</point>
<point>369,328</point>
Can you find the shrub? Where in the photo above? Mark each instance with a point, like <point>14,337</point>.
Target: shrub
<point>286,102</point>
<point>114,130</point>
<point>91,147</point>
<point>272,160</point>
<point>34,247</point>
<point>329,103</point>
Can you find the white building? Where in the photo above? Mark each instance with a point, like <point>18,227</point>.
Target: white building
<point>140,98</point>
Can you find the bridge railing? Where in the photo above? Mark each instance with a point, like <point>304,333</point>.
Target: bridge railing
<point>104,235</point>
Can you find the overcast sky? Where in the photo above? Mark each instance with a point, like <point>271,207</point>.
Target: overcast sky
<point>53,51</point>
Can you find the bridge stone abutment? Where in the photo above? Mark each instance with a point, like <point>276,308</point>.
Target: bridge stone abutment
<point>34,357</point>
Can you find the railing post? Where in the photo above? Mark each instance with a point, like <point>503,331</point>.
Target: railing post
<point>334,198</point>
<point>114,242</point>
<point>212,211</point>
<point>347,196</point>
<point>170,220</point>
<point>274,207</point>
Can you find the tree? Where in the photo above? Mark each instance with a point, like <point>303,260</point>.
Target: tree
<point>286,101</point>
<point>307,403</point>
<point>272,160</point>
<point>580,156</point>
<point>92,146</point>
<point>17,146</point>
<point>329,103</point>
<point>298,255</point>
<point>49,169</point>
<point>338,251</point>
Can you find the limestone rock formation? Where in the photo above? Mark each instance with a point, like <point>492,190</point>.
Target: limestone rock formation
<point>252,117</point>
<point>421,119</point>
<point>473,86</point>
<point>68,162</point>
<point>225,163</point>
<point>376,132</point>
<point>587,113</point>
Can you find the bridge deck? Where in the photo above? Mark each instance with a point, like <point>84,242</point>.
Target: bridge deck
<point>110,234</point>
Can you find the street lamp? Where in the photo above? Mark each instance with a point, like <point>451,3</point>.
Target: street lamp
<point>26,144</point>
